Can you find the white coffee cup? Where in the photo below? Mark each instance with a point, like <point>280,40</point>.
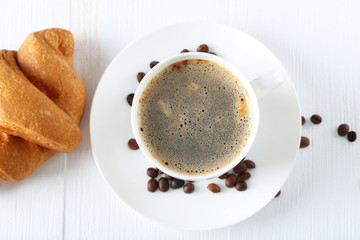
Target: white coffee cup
<point>255,89</point>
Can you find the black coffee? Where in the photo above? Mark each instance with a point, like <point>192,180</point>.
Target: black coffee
<point>195,117</point>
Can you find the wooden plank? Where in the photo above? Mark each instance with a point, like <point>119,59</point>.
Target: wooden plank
<point>318,42</point>
<point>33,208</point>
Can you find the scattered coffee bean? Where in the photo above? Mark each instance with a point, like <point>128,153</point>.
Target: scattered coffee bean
<point>153,64</point>
<point>278,194</point>
<point>343,129</point>
<point>303,120</point>
<point>163,184</point>
<point>202,48</point>
<point>351,136</point>
<point>159,171</point>
<point>243,176</point>
<point>316,119</point>
<point>230,181</point>
<point>169,177</point>
<point>152,172</point>
<point>241,167</point>
<point>188,188</point>
<point>249,164</point>
<point>140,76</point>
<point>304,142</point>
<point>133,144</point>
<point>213,188</point>
<point>152,185</point>
<point>176,183</point>
<point>130,98</point>
<point>241,186</point>
<point>213,53</point>
<point>184,51</point>
<point>224,176</point>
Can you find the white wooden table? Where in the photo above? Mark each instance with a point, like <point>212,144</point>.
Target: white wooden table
<point>317,41</point>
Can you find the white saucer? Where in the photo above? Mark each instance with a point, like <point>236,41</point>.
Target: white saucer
<point>124,170</point>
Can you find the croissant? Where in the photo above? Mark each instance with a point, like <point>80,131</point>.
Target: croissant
<point>45,59</point>
<point>28,113</point>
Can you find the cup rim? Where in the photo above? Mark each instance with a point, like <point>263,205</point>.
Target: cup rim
<point>190,56</point>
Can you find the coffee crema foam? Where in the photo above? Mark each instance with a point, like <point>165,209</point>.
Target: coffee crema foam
<point>195,117</point>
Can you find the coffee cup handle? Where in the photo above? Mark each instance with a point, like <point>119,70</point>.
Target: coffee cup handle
<point>266,83</point>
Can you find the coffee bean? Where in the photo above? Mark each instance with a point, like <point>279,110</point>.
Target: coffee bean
<point>163,184</point>
<point>241,167</point>
<point>224,176</point>
<point>343,129</point>
<point>133,144</point>
<point>188,188</point>
<point>249,164</point>
<point>184,51</point>
<point>213,188</point>
<point>202,48</point>
<point>303,121</point>
<point>278,194</point>
<point>169,177</point>
<point>159,171</point>
<point>176,183</point>
<point>316,119</point>
<point>243,176</point>
<point>140,76</point>
<point>151,172</point>
<point>152,185</point>
<point>230,181</point>
<point>304,142</point>
<point>213,53</point>
<point>351,136</point>
<point>153,64</point>
<point>130,98</point>
<point>241,186</point>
